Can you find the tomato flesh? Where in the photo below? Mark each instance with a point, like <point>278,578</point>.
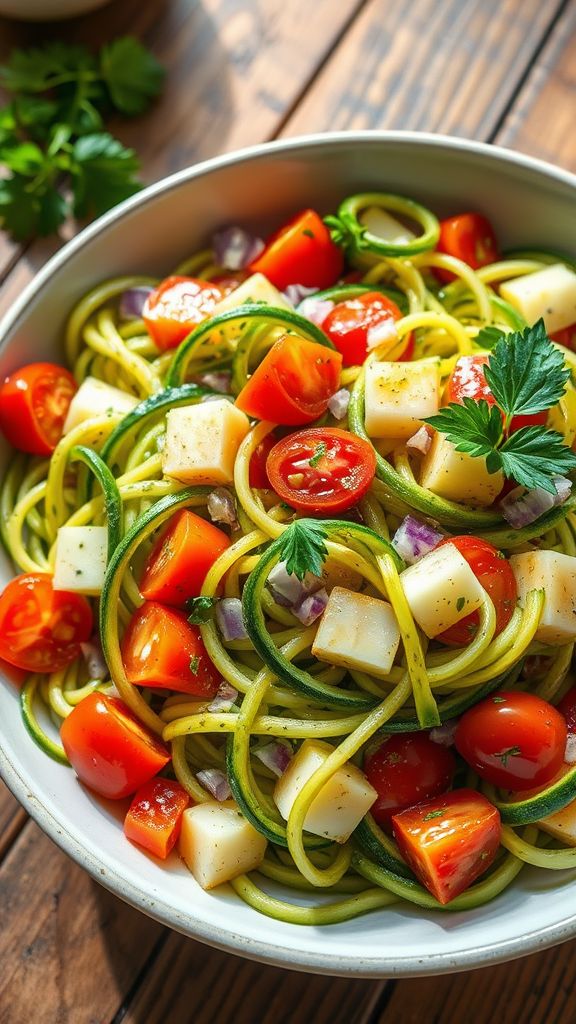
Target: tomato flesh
<point>567,708</point>
<point>469,237</point>
<point>513,740</point>
<point>301,252</point>
<point>109,749</point>
<point>322,470</point>
<point>349,323</point>
<point>449,841</point>
<point>566,337</point>
<point>493,571</point>
<point>34,403</point>
<point>293,383</point>
<point>179,561</point>
<point>257,475</point>
<point>176,307</point>
<point>162,649</point>
<point>41,629</point>
<point>154,818</point>
<point>468,381</point>
<point>406,769</point>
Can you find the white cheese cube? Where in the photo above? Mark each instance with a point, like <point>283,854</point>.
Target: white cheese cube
<point>357,631</point>
<point>218,843</point>
<point>562,824</point>
<point>341,803</point>
<point>548,293</point>
<point>555,573</point>
<point>95,398</point>
<point>458,476</point>
<point>202,442</point>
<point>256,288</point>
<point>399,396</point>
<point>382,224</point>
<point>81,555</point>
<point>441,589</point>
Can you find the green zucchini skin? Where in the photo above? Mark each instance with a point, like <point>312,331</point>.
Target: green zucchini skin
<point>531,809</point>
<point>358,240</point>
<point>40,738</point>
<point>112,499</point>
<point>343,292</point>
<point>375,844</point>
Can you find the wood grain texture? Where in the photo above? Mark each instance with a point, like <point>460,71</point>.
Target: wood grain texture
<point>12,819</point>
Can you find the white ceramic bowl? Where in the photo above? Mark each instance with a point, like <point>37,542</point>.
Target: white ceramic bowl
<point>530,203</point>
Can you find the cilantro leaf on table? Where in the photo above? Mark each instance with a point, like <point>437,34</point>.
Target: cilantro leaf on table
<point>47,67</point>
<point>24,213</point>
<point>103,173</point>
<point>526,373</point>
<point>303,548</point>
<point>133,76</point>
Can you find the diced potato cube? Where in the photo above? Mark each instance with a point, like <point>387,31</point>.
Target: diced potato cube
<point>555,573</point>
<point>95,398</point>
<point>399,396</point>
<point>256,288</point>
<point>458,476</point>
<point>202,442</point>
<point>441,589</point>
<point>548,293</point>
<point>341,803</point>
<point>218,843</point>
<point>81,555</point>
<point>382,224</point>
<point>357,631</point>
<point>562,824</point>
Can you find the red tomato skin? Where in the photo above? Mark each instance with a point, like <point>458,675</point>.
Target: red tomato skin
<point>467,380</point>
<point>154,819</point>
<point>293,383</point>
<point>405,770</point>
<point>450,850</point>
<point>109,749</point>
<point>180,559</point>
<point>567,708</point>
<point>332,488</point>
<point>301,252</point>
<point>469,237</point>
<point>41,629</point>
<point>513,740</point>
<point>566,337</point>
<point>495,574</point>
<point>34,402</point>
<point>257,475</point>
<point>348,324</point>
<point>158,648</point>
<point>176,307</point>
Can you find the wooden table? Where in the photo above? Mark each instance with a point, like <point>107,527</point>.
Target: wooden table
<point>240,72</point>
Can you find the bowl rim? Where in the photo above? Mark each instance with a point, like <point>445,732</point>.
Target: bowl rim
<point>226,938</point>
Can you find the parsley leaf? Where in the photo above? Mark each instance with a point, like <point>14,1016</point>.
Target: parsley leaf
<point>319,453</point>
<point>526,374</point>
<point>200,609</point>
<point>42,68</point>
<point>488,336</point>
<point>473,427</point>
<point>133,76</point>
<point>533,455</point>
<point>303,548</point>
<point>103,173</point>
<point>25,213</point>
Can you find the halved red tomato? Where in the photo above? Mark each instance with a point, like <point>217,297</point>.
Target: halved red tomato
<point>180,559</point>
<point>257,475</point>
<point>34,403</point>
<point>322,470</point>
<point>406,769</point>
<point>469,237</point>
<point>41,629</point>
<point>162,649</point>
<point>566,337</point>
<point>449,841</point>
<point>467,380</point>
<point>567,708</point>
<point>293,383</point>
<point>301,252</point>
<point>494,573</point>
<point>349,323</point>
<point>176,307</point>
<point>154,818</point>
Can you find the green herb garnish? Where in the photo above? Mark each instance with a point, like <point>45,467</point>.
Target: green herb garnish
<point>194,665</point>
<point>303,548</point>
<point>200,609</point>
<point>511,752</point>
<point>434,814</point>
<point>461,601</point>
<point>319,453</point>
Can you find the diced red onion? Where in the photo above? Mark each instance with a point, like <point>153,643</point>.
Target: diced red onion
<point>221,507</point>
<point>94,658</point>
<point>421,440</point>
<point>224,699</point>
<point>230,620</point>
<point>295,293</point>
<point>276,756</point>
<point>316,310</point>
<point>570,752</point>
<point>522,507</point>
<point>311,607</point>
<point>234,248</point>
<point>414,539</point>
<point>218,381</point>
<point>132,302</point>
<point>287,589</point>
<point>338,403</point>
<point>379,333</point>
<point>444,734</point>
<point>215,782</point>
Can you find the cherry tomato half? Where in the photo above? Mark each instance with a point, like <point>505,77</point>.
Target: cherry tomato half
<point>109,749</point>
<point>154,819</point>
<point>301,252</point>
<point>566,337</point>
<point>469,237</point>
<point>257,475</point>
<point>180,559</point>
<point>293,383</point>
<point>495,574</point>
<point>321,470</point>
<point>514,740</point>
<point>449,841</point>
<point>160,648</point>
<point>41,629</point>
<point>406,769</point>
<point>467,380</point>
<point>176,307</point>
<point>349,323</point>
<point>567,708</point>
<point>34,403</point>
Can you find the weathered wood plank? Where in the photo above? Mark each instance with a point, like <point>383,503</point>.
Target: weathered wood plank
<point>448,67</point>
<point>69,950</point>
<point>12,819</point>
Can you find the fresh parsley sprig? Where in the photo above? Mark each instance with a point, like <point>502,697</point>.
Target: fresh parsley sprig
<point>303,548</point>
<point>52,132</point>
<point>526,375</point>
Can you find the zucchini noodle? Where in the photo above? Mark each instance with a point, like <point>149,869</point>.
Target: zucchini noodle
<point>107,471</point>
